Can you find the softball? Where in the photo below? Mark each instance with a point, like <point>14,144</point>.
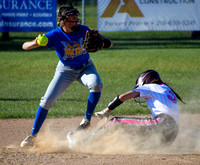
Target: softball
<point>42,40</point>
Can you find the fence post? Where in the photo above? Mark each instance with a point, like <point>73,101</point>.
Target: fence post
<point>5,36</point>
<point>83,12</point>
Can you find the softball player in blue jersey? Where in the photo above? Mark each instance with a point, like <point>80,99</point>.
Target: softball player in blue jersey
<point>161,100</point>
<point>74,65</point>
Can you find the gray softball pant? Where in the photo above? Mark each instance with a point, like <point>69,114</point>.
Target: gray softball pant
<point>163,125</point>
<point>64,76</point>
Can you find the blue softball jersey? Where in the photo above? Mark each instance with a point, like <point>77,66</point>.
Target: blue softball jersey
<point>69,46</point>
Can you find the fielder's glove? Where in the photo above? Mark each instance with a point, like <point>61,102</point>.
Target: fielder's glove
<point>105,113</point>
<point>93,41</point>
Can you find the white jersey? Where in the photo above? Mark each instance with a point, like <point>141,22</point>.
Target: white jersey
<point>160,99</point>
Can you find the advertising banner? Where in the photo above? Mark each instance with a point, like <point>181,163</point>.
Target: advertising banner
<point>27,15</point>
<point>148,15</point>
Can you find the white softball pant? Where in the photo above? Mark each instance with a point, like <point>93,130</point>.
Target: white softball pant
<point>64,76</point>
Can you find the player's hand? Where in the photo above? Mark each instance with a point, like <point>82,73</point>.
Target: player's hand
<point>105,113</point>
<point>37,39</point>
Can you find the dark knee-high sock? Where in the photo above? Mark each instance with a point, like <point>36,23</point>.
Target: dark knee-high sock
<point>93,99</point>
<point>39,119</point>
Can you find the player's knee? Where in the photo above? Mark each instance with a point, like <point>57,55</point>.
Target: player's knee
<point>97,87</point>
<point>47,103</point>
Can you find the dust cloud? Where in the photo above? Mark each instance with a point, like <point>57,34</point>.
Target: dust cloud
<point>120,141</point>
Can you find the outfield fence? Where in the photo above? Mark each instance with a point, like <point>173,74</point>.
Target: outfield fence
<point>148,38</point>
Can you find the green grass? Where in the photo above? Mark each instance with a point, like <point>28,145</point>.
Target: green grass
<point>25,76</point>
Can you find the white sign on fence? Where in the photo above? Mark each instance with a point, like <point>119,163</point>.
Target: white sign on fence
<point>148,15</point>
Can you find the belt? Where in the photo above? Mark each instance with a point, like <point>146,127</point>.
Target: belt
<point>79,67</point>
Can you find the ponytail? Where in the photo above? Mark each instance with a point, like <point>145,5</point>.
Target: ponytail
<point>175,94</point>
<point>156,81</point>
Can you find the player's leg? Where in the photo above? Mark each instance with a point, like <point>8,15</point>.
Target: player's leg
<point>163,126</point>
<point>54,90</point>
<point>167,128</point>
<point>139,126</point>
<point>62,79</point>
<point>39,119</point>
<point>93,99</point>
<point>41,115</point>
<point>91,79</point>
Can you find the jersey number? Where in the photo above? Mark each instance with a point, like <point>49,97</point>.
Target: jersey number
<point>171,96</point>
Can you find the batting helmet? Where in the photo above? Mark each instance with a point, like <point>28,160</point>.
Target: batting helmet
<point>65,11</point>
<point>147,77</point>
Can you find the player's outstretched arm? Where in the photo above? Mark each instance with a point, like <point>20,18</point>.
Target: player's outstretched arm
<point>30,45</point>
<point>116,102</point>
<point>41,40</point>
<point>129,95</point>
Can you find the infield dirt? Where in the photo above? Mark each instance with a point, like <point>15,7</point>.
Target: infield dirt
<point>52,145</point>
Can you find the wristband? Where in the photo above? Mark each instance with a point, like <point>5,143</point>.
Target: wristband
<point>116,102</point>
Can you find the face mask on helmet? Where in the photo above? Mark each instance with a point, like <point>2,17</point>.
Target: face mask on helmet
<point>148,77</point>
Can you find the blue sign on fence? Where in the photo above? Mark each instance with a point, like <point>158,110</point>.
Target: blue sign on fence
<point>27,15</point>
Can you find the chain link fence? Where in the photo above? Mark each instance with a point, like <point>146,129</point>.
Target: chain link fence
<point>143,39</point>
